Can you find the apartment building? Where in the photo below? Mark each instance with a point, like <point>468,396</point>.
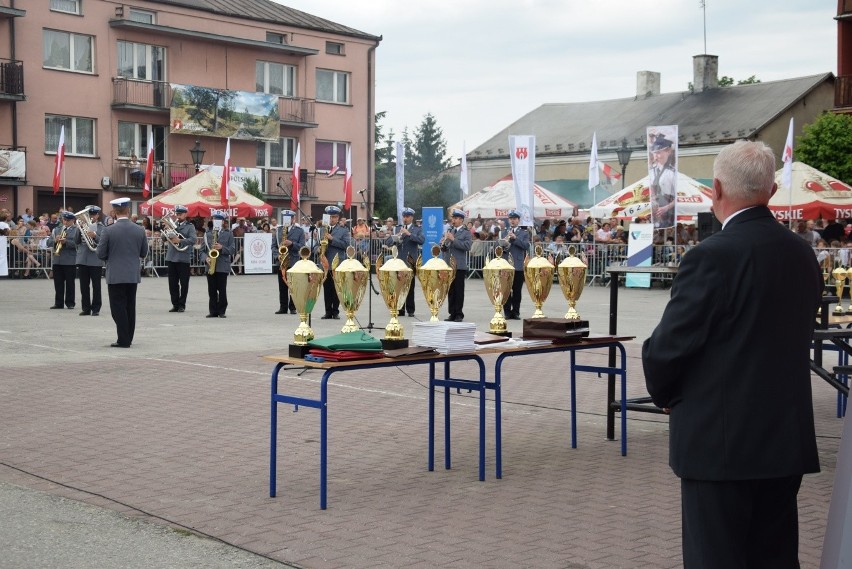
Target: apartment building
<point>190,73</point>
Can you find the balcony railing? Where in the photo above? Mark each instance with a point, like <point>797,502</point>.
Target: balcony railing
<point>297,112</point>
<point>843,91</point>
<point>12,79</point>
<point>126,175</point>
<point>138,94</point>
<point>279,184</point>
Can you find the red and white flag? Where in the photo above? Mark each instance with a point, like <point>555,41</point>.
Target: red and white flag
<point>149,166</point>
<point>224,190</point>
<point>60,159</point>
<point>294,181</point>
<point>787,158</point>
<point>609,172</point>
<point>332,172</point>
<point>347,180</point>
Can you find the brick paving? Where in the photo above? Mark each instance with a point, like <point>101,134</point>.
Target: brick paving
<point>176,431</point>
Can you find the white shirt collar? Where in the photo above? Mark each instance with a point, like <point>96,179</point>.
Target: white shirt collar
<point>736,213</point>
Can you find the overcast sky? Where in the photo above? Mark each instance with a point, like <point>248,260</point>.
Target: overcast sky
<point>478,65</point>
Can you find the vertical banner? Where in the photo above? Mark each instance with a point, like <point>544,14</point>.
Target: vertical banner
<point>400,181</point>
<point>640,253</point>
<point>257,253</point>
<point>433,229</point>
<point>522,153</point>
<point>463,185</point>
<point>662,174</point>
<point>4,260</point>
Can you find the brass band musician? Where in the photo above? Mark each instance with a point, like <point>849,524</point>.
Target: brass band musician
<point>408,239</point>
<point>338,238</point>
<point>291,235</point>
<point>63,241</point>
<point>517,244</point>
<point>455,244</point>
<point>179,257</point>
<point>216,253</point>
<point>89,267</point>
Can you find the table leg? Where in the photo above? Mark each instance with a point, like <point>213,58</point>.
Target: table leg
<point>573,400</point>
<point>324,438</point>
<point>610,378</point>
<point>498,420</point>
<point>273,432</point>
<point>431,461</point>
<point>623,369</point>
<point>447,417</point>
<point>481,425</point>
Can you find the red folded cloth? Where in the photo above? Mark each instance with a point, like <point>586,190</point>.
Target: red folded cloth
<point>345,355</point>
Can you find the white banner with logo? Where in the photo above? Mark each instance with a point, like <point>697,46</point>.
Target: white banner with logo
<point>640,253</point>
<point>522,153</point>
<point>400,180</point>
<point>257,253</point>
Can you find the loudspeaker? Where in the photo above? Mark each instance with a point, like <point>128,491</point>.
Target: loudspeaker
<point>303,176</point>
<point>707,225</point>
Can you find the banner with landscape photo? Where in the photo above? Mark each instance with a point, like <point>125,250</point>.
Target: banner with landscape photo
<point>222,113</point>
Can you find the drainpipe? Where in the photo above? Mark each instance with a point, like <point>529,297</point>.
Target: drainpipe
<point>371,128</point>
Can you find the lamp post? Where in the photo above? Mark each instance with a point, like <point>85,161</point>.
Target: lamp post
<point>197,153</point>
<point>623,158</point>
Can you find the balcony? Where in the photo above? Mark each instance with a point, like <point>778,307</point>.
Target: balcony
<point>298,113</point>
<point>11,80</point>
<point>279,185</point>
<point>166,175</point>
<point>140,95</point>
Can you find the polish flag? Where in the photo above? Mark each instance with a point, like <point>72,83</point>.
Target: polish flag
<point>149,166</point>
<point>294,181</point>
<point>610,172</point>
<point>787,158</point>
<point>332,172</point>
<point>60,158</point>
<point>347,180</point>
<point>224,190</point>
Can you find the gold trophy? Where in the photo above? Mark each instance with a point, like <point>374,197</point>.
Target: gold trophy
<point>572,279</point>
<point>350,281</point>
<point>498,274</point>
<point>305,280</point>
<point>849,278</point>
<point>395,278</point>
<point>538,274</point>
<point>435,277</point>
<point>839,275</point>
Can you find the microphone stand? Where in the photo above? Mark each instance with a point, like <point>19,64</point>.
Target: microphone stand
<point>370,324</point>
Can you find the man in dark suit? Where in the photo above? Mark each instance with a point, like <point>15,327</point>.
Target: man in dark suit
<point>408,238</point>
<point>122,245</point>
<point>730,359</point>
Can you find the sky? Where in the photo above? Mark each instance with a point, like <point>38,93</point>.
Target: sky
<point>479,65</point>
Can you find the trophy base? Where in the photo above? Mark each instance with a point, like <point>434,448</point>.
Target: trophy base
<point>297,351</point>
<point>394,344</point>
<point>505,334</point>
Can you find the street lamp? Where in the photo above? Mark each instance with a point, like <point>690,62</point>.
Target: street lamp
<point>623,159</point>
<point>197,153</point>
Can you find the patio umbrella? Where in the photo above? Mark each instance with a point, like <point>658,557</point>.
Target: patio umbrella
<point>200,194</point>
<point>813,195</point>
<point>499,198</point>
<point>693,198</point>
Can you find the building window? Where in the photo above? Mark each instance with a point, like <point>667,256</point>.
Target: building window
<point>142,16</point>
<point>330,154</point>
<point>275,78</point>
<point>332,86</point>
<point>79,135</point>
<point>141,61</point>
<point>69,6</point>
<point>133,139</point>
<point>72,52</point>
<point>334,48</point>
<point>278,154</point>
<point>273,37</point>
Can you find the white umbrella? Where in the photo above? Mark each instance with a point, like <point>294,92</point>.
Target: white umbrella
<point>498,199</point>
<point>693,198</point>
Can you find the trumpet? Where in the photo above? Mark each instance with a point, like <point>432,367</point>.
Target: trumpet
<point>443,243</point>
<point>60,241</point>
<point>213,254</point>
<point>83,221</point>
<point>170,231</point>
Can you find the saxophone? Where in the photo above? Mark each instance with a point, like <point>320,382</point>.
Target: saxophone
<point>59,244</point>
<point>213,253</point>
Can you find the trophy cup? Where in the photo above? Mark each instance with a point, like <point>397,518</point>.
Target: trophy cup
<point>839,275</point>
<point>572,279</point>
<point>498,274</point>
<point>395,278</point>
<point>435,277</point>
<point>538,274</point>
<point>849,278</point>
<point>305,280</point>
<point>350,281</point>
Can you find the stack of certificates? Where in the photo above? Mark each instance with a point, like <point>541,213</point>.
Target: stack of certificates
<point>445,337</point>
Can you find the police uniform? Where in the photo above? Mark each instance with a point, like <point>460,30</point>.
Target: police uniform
<point>178,262</point>
<point>90,267</point>
<point>296,237</point>
<point>408,239</point>
<point>455,245</point>
<point>663,181</point>
<point>339,238</point>
<point>64,264</point>
<point>516,245</point>
<point>217,283</point>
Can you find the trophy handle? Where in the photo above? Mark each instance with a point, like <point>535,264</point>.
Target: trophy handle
<point>379,262</point>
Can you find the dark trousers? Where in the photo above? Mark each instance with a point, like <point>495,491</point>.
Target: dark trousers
<point>90,276</point>
<point>217,291</point>
<point>63,285</point>
<point>284,300</point>
<point>332,302</point>
<point>455,296</point>
<point>122,306</point>
<point>743,524</point>
<point>178,282</point>
<point>513,304</point>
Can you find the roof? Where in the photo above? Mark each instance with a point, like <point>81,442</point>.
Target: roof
<point>718,115</point>
<point>269,11</point>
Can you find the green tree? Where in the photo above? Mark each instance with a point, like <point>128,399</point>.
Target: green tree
<point>430,148</point>
<point>826,144</point>
<point>725,81</point>
<point>385,164</point>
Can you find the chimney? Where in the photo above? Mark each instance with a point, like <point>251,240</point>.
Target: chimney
<point>647,84</point>
<point>705,72</point>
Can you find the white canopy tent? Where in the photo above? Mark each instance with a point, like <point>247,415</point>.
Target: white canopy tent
<point>693,198</point>
<point>498,199</point>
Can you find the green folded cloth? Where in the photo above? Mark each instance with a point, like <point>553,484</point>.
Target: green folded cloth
<point>357,341</point>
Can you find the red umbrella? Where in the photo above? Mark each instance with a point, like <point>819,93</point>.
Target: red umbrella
<point>201,195</point>
<point>813,195</point>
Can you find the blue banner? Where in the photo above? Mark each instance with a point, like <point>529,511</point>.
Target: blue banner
<point>433,229</point>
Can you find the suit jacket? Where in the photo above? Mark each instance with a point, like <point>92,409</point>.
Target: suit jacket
<point>86,256</point>
<point>188,234</point>
<point>457,248</point>
<point>122,245</point>
<point>407,245</point>
<point>730,356</point>
<point>295,234</point>
<point>517,248</point>
<point>68,254</point>
<point>226,238</point>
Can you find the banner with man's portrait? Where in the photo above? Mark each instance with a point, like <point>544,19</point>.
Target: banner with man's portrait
<point>662,174</point>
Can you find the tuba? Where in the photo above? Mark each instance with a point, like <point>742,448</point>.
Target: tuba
<point>83,221</point>
<point>170,230</point>
<point>213,253</point>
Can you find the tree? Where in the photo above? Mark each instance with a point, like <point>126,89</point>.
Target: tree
<point>826,144</point>
<point>725,81</point>
<point>384,191</point>
<point>430,149</point>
